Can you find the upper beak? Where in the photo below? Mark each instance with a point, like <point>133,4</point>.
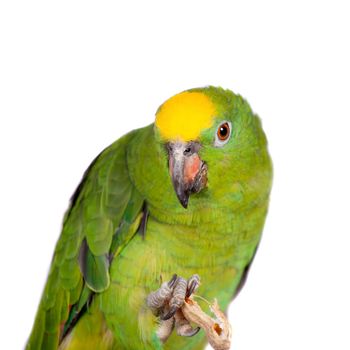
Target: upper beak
<point>187,170</point>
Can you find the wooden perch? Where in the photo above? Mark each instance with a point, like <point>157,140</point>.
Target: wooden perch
<point>218,330</point>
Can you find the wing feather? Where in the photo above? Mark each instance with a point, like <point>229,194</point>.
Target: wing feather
<point>104,206</point>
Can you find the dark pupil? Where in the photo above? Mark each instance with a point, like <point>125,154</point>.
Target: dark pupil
<point>223,131</point>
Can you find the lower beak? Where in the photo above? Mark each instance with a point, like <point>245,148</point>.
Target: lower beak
<point>187,170</point>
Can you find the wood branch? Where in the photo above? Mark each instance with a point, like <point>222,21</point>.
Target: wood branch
<point>218,330</point>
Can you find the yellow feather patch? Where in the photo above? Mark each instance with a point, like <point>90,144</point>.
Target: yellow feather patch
<point>184,116</point>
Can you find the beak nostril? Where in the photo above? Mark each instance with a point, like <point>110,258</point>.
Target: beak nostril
<point>187,151</point>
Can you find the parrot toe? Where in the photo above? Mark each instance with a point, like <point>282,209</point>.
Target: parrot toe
<point>192,285</point>
<point>166,302</point>
<point>183,326</point>
<point>182,289</point>
<point>189,332</point>
<point>172,281</point>
<point>169,314</point>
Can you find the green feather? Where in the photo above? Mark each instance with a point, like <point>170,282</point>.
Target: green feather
<point>102,270</point>
<point>94,269</point>
<point>50,340</point>
<point>53,315</point>
<point>98,206</point>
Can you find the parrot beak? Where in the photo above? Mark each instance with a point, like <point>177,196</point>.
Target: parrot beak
<point>188,172</point>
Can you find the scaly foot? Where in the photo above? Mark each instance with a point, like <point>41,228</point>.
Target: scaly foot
<point>166,303</point>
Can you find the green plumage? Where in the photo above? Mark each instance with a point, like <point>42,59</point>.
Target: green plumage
<point>103,269</point>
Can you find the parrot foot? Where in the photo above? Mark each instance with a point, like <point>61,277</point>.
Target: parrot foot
<point>166,303</point>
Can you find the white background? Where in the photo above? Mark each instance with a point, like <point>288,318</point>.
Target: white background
<point>75,76</point>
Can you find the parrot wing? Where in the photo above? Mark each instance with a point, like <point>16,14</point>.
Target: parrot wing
<point>244,275</point>
<point>105,212</point>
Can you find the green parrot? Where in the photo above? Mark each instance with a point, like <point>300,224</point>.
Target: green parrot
<point>181,199</point>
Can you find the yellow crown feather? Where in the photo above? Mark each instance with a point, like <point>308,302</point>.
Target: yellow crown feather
<point>184,116</point>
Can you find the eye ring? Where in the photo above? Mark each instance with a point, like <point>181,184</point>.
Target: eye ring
<point>223,134</point>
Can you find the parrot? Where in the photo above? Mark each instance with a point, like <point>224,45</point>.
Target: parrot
<point>169,207</point>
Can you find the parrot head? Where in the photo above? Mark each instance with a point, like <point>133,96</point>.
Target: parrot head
<point>214,143</point>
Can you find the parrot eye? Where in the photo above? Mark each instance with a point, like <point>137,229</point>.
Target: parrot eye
<point>223,134</point>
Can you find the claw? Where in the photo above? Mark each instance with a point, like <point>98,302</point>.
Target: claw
<point>169,314</point>
<point>166,303</point>
<point>191,333</point>
<point>172,281</point>
<point>193,285</point>
<point>183,327</point>
<point>191,289</point>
